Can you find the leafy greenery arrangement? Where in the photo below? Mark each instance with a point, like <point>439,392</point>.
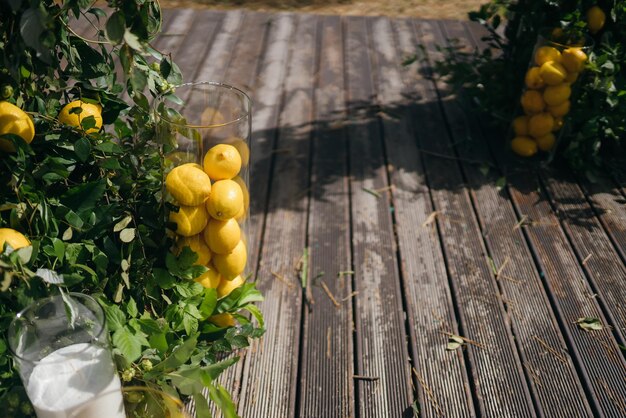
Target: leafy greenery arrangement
<point>91,201</point>
<point>494,78</point>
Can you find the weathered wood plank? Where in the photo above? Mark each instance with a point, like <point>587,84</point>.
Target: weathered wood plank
<point>496,368</point>
<point>530,314</point>
<point>381,339</point>
<point>268,383</point>
<point>325,386</point>
<point>176,24</point>
<point>608,204</point>
<point>604,267</point>
<point>197,42</point>
<point>443,385</point>
<point>599,363</point>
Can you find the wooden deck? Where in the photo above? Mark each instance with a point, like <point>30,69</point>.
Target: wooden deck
<point>391,185</point>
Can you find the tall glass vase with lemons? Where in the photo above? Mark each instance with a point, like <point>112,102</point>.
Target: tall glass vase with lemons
<point>550,82</point>
<point>205,128</point>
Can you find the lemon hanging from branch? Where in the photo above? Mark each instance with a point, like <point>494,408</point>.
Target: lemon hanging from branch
<point>83,116</point>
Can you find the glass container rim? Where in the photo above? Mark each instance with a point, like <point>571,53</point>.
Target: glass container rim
<point>226,86</point>
<point>545,34</point>
<point>38,303</point>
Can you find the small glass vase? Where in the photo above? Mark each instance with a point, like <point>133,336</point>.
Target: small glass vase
<point>61,347</point>
<point>550,85</point>
<point>205,128</point>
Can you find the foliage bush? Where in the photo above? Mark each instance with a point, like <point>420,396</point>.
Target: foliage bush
<point>494,78</point>
<point>93,204</point>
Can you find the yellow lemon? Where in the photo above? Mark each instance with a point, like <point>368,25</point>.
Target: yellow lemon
<point>540,124</point>
<point>13,238</point>
<point>571,78</point>
<point>190,220</point>
<point>574,59</point>
<point>188,184</point>
<point>222,236</point>
<point>223,320</point>
<point>546,142</point>
<point>560,110</point>
<point>596,18</point>
<point>225,201</point>
<point>552,73</point>
<point>196,244</point>
<point>212,117</point>
<point>210,279</point>
<point>14,120</point>
<point>532,102</point>
<point>545,54</point>
<point>533,79</point>
<point>524,146</point>
<point>242,148</point>
<point>558,124</point>
<point>232,264</point>
<point>75,112</point>
<point>227,286</point>
<point>555,95</point>
<point>241,215</point>
<point>222,162</point>
<point>520,125</point>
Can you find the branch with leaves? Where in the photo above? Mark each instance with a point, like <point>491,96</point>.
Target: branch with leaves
<point>91,200</point>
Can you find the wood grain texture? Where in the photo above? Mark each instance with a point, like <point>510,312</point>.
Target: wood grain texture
<point>326,383</point>
<point>380,316</point>
<point>528,307</point>
<point>593,247</point>
<point>496,368</point>
<point>443,385</point>
<point>269,380</point>
<point>598,361</point>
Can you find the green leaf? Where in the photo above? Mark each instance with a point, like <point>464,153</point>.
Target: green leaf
<point>256,312</point>
<point>127,235</point>
<point>189,289</point>
<point>132,40</point>
<point>179,356</point>
<point>82,148</point>
<point>163,278</point>
<point>202,405</point>
<point>454,342</point>
<point>216,369</point>
<point>88,123</point>
<point>50,276</point>
<point>128,343</point>
<point>222,399</point>
<point>209,301</point>
<point>589,324</point>
<point>84,196</point>
<point>188,380</point>
<point>131,308</point>
<point>116,319</point>
<point>116,27</point>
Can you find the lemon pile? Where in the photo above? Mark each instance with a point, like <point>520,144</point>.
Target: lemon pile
<point>546,99</point>
<point>213,201</point>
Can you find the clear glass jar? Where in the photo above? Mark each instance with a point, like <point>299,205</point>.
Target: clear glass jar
<point>205,128</point>
<point>550,85</point>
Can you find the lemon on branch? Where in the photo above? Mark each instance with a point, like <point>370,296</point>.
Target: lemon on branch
<point>596,18</point>
<point>75,113</point>
<point>227,286</point>
<point>210,279</point>
<point>197,245</point>
<point>524,146</point>
<point>14,120</point>
<point>13,238</point>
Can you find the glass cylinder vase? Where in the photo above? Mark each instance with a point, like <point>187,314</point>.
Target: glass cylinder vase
<point>205,128</point>
<point>550,85</point>
<point>61,347</point>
